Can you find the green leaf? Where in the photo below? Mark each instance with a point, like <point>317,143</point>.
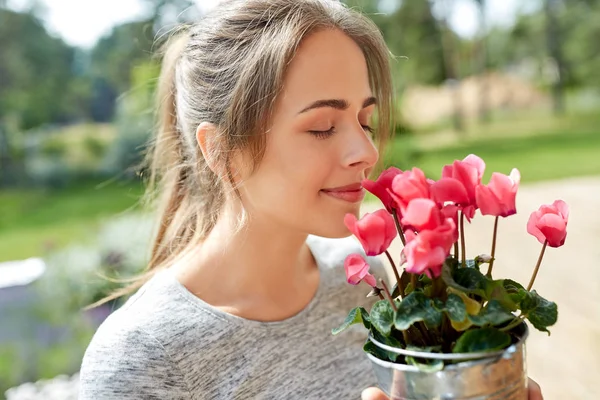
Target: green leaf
<point>497,291</point>
<point>382,317</point>
<point>471,279</point>
<point>372,349</point>
<point>539,311</point>
<point>467,280</point>
<point>492,314</point>
<point>416,307</point>
<point>455,308</point>
<point>483,339</point>
<point>511,286</point>
<point>427,365</point>
<point>387,340</point>
<point>356,316</point>
<point>515,290</point>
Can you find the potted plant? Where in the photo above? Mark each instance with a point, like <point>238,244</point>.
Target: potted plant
<point>447,328</point>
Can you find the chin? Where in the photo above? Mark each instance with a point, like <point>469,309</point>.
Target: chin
<point>332,229</point>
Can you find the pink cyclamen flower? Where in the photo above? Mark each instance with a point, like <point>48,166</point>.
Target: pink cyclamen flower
<point>375,231</point>
<point>422,214</point>
<point>427,251</point>
<point>468,172</point>
<point>498,198</point>
<point>549,223</point>
<point>409,185</point>
<point>357,270</point>
<point>380,187</point>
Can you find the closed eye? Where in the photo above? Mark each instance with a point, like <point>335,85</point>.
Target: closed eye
<point>329,132</point>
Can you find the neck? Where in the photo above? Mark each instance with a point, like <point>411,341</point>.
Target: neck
<point>261,265</point>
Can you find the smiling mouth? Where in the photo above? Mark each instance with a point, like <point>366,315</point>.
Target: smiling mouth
<point>351,193</point>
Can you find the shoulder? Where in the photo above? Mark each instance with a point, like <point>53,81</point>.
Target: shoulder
<point>125,361</point>
<point>134,353</point>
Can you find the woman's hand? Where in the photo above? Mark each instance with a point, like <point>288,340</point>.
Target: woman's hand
<point>535,393</point>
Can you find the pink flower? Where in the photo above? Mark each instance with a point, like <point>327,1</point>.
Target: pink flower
<point>409,185</point>
<point>549,223</point>
<point>499,196</point>
<point>357,270</point>
<point>468,173</point>
<point>422,214</point>
<point>380,187</point>
<point>375,231</point>
<point>449,190</point>
<point>427,251</point>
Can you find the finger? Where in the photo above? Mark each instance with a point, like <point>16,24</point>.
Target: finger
<point>373,394</point>
<point>534,390</point>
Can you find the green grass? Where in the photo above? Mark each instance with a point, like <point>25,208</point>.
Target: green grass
<point>541,148</point>
<point>34,219</point>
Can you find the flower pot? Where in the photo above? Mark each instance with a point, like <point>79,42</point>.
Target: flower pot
<point>473,376</point>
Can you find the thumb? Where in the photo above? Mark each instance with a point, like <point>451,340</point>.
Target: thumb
<point>373,394</point>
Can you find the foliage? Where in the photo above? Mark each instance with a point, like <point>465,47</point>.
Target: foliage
<point>36,78</point>
<point>79,275</point>
<point>134,123</point>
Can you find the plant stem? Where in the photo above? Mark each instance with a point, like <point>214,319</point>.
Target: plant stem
<point>537,267</point>
<point>456,250</point>
<point>463,253</point>
<point>398,227</point>
<point>398,280</point>
<point>424,333</point>
<point>413,281</point>
<point>515,322</point>
<point>386,290</point>
<point>489,273</point>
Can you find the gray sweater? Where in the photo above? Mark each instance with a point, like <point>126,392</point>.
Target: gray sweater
<point>166,343</point>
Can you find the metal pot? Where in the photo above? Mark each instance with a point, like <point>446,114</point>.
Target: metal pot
<point>499,375</point>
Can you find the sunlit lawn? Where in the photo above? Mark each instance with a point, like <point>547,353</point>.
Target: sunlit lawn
<point>33,219</point>
<point>541,148</point>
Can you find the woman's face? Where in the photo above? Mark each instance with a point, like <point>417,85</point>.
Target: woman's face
<point>319,147</point>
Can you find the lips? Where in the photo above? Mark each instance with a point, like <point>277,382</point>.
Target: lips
<point>347,188</point>
<point>353,193</point>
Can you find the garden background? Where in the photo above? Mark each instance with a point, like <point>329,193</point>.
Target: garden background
<point>515,82</point>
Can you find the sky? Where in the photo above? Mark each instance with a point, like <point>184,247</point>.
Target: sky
<point>83,22</point>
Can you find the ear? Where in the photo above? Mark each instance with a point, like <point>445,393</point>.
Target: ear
<point>206,136</point>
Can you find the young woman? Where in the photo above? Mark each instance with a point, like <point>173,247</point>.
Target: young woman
<point>266,113</point>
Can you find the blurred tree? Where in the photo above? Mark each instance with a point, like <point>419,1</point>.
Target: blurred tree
<point>411,31</point>
<point>134,121</point>
<point>35,71</point>
<point>482,61</point>
<point>167,12</point>
<point>555,51</point>
<point>366,6</point>
<point>451,62</point>
<point>112,60</point>
<point>127,46</point>
<point>580,49</point>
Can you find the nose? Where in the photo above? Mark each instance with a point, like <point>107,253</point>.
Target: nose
<point>360,151</point>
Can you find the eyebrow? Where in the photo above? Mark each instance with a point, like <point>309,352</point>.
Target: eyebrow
<point>338,104</point>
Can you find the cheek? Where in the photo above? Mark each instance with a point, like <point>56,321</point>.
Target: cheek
<point>291,177</point>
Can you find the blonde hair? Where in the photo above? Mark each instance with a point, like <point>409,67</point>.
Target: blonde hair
<point>228,70</point>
